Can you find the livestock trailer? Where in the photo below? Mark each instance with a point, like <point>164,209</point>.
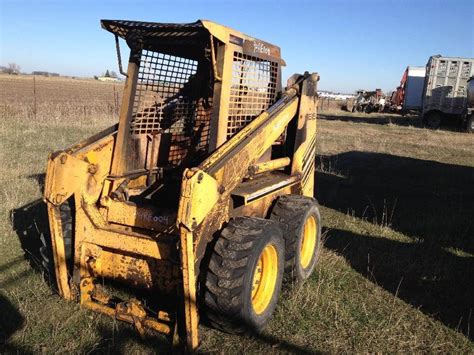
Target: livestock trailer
<point>445,88</point>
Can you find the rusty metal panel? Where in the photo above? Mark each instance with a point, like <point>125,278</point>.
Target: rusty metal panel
<point>218,130</point>
<point>137,271</point>
<point>124,28</point>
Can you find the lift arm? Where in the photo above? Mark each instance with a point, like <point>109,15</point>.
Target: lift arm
<point>206,190</point>
<point>221,172</point>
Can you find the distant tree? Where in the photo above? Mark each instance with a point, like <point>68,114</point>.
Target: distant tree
<point>13,68</point>
<point>113,74</point>
<point>107,74</point>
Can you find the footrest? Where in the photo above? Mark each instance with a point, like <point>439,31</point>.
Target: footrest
<point>262,185</point>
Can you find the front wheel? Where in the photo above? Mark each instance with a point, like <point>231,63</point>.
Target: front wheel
<point>244,275</point>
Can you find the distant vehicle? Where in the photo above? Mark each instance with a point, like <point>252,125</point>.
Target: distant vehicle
<point>469,110</point>
<point>445,89</point>
<point>409,95</point>
<point>106,78</point>
<point>369,101</point>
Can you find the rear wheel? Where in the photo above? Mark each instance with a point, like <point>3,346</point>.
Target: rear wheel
<point>470,124</point>
<point>46,251</point>
<point>301,225</point>
<point>244,275</point>
<point>433,120</point>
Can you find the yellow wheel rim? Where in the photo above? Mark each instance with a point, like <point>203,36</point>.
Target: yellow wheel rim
<point>308,243</point>
<point>264,279</point>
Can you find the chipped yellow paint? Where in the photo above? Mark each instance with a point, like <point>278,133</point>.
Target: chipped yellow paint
<point>199,194</point>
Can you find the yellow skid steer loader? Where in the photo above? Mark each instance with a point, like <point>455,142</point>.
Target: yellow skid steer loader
<point>201,195</point>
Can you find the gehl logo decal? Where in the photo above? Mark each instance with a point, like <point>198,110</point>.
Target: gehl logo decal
<point>259,47</point>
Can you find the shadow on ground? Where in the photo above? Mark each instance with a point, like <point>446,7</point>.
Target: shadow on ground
<point>11,321</point>
<point>381,119</point>
<point>385,119</point>
<point>117,341</point>
<point>30,222</point>
<point>430,202</point>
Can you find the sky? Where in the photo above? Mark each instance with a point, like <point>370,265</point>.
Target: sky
<point>364,44</point>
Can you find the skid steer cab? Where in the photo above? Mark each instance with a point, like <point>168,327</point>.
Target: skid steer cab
<point>200,200</point>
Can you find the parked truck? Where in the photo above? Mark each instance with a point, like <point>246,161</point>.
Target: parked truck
<point>408,96</point>
<point>445,89</point>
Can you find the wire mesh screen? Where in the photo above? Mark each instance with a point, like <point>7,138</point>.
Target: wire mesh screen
<point>253,90</point>
<point>166,102</point>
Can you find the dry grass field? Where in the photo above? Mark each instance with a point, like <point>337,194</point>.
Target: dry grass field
<point>396,273</point>
<point>55,98</point>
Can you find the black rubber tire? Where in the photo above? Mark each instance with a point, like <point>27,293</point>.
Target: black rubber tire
<point>46,254</point>
<point>66,210</point>
<point>292,211</point>
<point>46,251</point>
<point>432,120</point>
<point>470,124</point>
<point>228,283</point>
